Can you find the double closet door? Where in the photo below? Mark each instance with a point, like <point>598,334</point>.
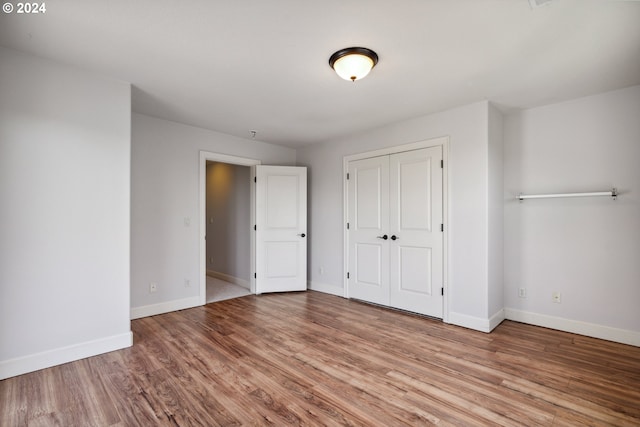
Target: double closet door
<point>395,230</point>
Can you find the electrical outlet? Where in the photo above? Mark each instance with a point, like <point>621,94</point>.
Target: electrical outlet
<point>557,297</point>
<point>187,283</point>
<point>153,286</point>
<point>522,292</point>
<point>210,260</point>
<point>321,270</point>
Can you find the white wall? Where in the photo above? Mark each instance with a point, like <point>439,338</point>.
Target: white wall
<point>467,128</point>
<point>164,207</point>
<point>228,221</point>
<point>64,214</point>
<point>589,248</point>
<point>496,215</point>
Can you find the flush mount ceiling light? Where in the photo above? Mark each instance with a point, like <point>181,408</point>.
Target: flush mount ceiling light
<point>353,63</point>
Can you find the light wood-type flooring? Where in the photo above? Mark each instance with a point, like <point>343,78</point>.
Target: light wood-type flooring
<point>315,359</point>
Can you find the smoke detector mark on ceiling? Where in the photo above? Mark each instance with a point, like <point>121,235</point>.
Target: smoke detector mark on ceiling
<point>538,3</point>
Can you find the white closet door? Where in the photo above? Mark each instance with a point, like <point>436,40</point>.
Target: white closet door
<point>368,224</point>
<point>281,217</point>
<point>416,239</point>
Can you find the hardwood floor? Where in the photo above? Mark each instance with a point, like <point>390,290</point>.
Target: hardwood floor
<point>315,359</point>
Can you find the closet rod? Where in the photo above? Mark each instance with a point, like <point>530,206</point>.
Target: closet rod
<point>613,193</point>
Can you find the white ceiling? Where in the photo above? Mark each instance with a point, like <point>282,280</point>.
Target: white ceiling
<point>242,65</point>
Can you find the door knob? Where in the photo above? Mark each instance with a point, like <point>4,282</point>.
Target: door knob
<point>302,235</point>
<point>385,237</point>
<point>394,237</point>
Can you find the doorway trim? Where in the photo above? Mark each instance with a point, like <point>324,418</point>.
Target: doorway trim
<point>206,156</point>
<point>442,141</point>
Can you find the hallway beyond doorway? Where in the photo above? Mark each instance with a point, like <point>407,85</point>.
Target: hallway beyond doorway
<point>220,290</point>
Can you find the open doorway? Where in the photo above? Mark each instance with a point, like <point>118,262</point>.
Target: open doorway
<point>227,246</point>
<point>227,230</point>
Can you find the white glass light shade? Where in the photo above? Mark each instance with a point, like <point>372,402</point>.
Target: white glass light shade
<point>353,67</point>
<point>353,63</point>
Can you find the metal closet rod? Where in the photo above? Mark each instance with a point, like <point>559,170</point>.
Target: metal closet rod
<point>613,193</point>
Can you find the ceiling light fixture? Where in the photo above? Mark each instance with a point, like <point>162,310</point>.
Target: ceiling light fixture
<point>353,63</point>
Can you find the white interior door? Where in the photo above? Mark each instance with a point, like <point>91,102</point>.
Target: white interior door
<point>395,212</point>
<point>416,237</point>
<point>281,227</point>
<point>369,229</point>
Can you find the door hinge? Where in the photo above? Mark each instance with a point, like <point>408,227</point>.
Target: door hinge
<point>441,227</point>
<point>442,291</point>
<point>255,227</point>
<point>441,164</point>
<point>255,179</point>
<point>347,176</point>
<point>347,226</point>
<point>347,274</point>
<point>255,275</point>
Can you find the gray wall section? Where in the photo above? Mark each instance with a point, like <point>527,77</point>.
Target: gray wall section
<point>64,213</point>
<point>165,209</point>
<point>585,248</point>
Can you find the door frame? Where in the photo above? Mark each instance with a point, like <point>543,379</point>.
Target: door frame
<point>442,141</point>
<point>206,156</point>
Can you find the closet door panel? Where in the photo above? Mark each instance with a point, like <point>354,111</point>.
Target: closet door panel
<point>415,217</point>
<point>368,224</point>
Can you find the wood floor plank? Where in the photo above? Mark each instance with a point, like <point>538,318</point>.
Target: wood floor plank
<point>316,359</point>
<point>14,399</point>
<point>579,405</point>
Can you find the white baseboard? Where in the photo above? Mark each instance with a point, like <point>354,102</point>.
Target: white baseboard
<point>475,323</point>
<point>46,359</point>
<point>164,307</point>
<point>574,326</point>
<point>326,288</point>
<point>227,278</point>
<point>496,319</point>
